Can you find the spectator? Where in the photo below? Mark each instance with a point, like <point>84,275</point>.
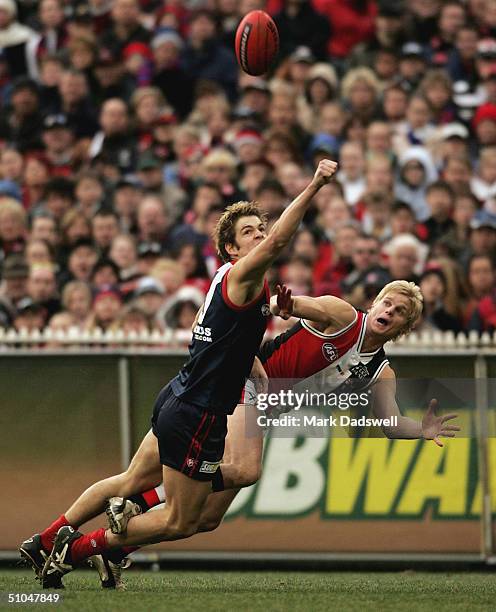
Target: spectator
<point>12,227</point>
<point>351,174</point>
<point>124,254</point>
<point>416,171</point>
<point>42,288</point>
<point>483,184</point>
<point>405,257</point>
<point>21,124</point>
<point>434,315</point>
<point>440,200</point>
<point>76,301</point>
<point>106,307</point>
<point>149,296</point>
<point>30,316</point>
<point>104,228</point>
<point>13,287</point>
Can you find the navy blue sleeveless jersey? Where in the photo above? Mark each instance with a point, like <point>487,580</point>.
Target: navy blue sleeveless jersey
<point>225,341</point>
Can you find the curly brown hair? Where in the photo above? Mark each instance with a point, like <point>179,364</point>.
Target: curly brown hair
<point>225,231</point>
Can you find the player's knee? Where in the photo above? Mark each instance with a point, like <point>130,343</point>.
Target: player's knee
<point>182,529</point>
<point>210,523</point>
<point>249,475</point>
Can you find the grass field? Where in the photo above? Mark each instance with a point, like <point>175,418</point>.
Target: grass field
<point>269,591</point>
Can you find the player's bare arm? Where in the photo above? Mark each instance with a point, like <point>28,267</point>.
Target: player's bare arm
<point>326,313</point>
<point>432,427</point>
<point>245,280</point>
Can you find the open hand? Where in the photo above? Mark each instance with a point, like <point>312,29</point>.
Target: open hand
<point>435,426</point>
<point>284,302</point>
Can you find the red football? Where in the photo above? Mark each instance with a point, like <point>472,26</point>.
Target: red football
<point>257,42</point>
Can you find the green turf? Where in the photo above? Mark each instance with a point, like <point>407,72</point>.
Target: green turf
<point>269,591</point>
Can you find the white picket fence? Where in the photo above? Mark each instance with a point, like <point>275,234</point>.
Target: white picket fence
<point>74,337</point>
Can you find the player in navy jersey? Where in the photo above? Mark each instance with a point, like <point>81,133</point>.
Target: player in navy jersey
<point>345,346</point>
<point>189,420</point>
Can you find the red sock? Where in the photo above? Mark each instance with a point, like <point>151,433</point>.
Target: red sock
<point>129,549</point>
<point>48,536</point>
<point>93,543</point>
<point>151,497</point>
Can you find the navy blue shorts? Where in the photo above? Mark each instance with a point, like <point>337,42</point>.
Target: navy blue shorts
<point>190,439</point>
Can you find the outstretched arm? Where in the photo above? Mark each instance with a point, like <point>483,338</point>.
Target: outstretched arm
<point>246,277</point>
<point>326,309</point>
<point>431,427</point>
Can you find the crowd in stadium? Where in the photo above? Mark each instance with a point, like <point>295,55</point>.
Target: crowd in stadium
<point>127,127</point>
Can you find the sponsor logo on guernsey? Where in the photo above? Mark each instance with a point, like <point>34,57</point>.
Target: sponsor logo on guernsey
<point>329,351</point>
<point>360,371</point>
<point>266,310</point>
<point>208,467</point>
<point>203,334</point>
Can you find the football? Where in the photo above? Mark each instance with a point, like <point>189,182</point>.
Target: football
<point>257,42</point>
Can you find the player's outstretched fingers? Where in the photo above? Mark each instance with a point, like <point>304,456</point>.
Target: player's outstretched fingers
<point>447,434</point>
<point>451,428</point>
<point>437,440</point>
<point>449,417</point>
<point>431,408</point>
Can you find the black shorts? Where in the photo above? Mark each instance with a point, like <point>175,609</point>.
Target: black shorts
<point>190,439</point>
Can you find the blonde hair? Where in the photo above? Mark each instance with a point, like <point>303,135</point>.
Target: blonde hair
<point>12,207</point>
<point>413,293</point>
<point>71,288</point>
<point>355,76</point>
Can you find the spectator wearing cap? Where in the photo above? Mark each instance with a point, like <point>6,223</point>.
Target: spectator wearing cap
<point>116,142</point>
<point>484,124</point>
<point>138,61</point>
<point>412,64</point>
<point>13,38</point>
<point>451,139</point>
<point>323,146</point>
<point>297,67</point>
<point>434,314</point>
<point>486,57</point>
<point>30,315</point>
<point>298,24</point>
<point>204,57</point>
<point>12,226</point>
<point>125,27</point>
<point>248,145</point>
<point>59,140</point>
<point>104,228</point>
<point>179,313</point>
<point>149,296</point>
<point>148,254</point>
<point>106,307</point>
<point>76,103</point>
<point>21,123</point>
<point>111,78</point>
<point>321,86</point>
<point>42,287</point>
<point>169,76</point>
<point>255,97</point>
<point>13,287</point>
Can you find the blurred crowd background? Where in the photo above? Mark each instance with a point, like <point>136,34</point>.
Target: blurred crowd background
<point>126,128</point>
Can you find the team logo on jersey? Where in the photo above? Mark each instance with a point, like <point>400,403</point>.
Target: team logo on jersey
<point>360,371</point>
<point>329,351</point>
<point>191,463</point>
<point>266,310</point>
